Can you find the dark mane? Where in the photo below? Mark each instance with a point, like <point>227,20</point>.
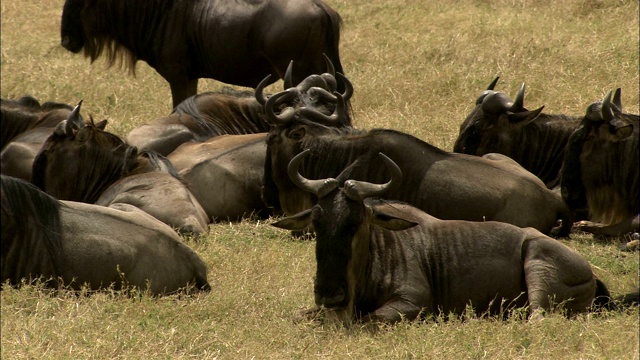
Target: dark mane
<point>159,163</point>
<point>29,218</point>
<point>95,164</point>
<point>136,23</point>
<point>227,111</point>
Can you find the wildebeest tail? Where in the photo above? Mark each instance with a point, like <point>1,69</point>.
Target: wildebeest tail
<point>603,299</point>
<point>333,37</point>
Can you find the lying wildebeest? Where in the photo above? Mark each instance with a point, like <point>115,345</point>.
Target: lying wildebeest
<point>83,244</point>
<point>17,156</point>
<point>26,113</point>
<point>234,42</point>
<point>85,163</point>
<point>445,185</point>
<point>225,175</point>
<point>534,139</point>
<point>384,261</point>
<point>233,112</point>
<point>199,118</point>
<point>601,169</point>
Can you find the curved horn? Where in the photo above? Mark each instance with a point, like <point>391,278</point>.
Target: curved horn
<point>605,111</point>
<point>319,187</point>
<point>617,102</point>
<point>518,104</point>
<point>259,89</point>
<point>73,119</point>
<point>288,83</point>
<point>311,81</point>
<point>327,119</point>
<point>330,68</point>
<point>322,94</point>
<point>493,83</point>
<point>348,86</point>
<point>360,190</point>
<point>286,115</point>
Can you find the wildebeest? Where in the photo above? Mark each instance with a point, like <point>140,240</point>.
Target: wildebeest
<point>199,118</point>
<point>384,261</point>
<point>445,185</point>
<point>534,139</point>
<point>233,112</point>
<point>235,42</point>
<point>601,169</point>
<point>225,175</point>
<point>26,113</point>
<point>88,164</point>
<point>17,156</point>
<point>83,244</point>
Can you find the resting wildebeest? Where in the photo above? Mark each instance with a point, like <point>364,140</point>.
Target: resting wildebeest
<point>445,185</point>
<point>17,156</point>
<point>384,261</point>
<point>236,42</point>
<point>79,244</point>
<point>534,139</point>
<point>199,118</point>
<point>233,112</point>
<point>26,113</point>
<point>225,174</point>
<point>87,164</point>
<point>601,169</point>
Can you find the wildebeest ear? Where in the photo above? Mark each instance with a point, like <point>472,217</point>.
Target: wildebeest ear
<point>520,119</point>
<point>299,221</point>
<point>102,124</point>
<point>388,217</point>
<point>622,132</point>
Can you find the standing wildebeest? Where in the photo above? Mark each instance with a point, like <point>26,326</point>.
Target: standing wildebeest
<point>236,42</point>
<point>17,156</point>
<point>85,163</point>
<point>535,140</point>
<point>445,185</point>
<point>384,261</point>
<point>82,244</point>
<point>601,169</point>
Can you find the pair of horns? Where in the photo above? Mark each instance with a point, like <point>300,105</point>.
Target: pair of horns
<point>289,112</point>
<point>354,189</point>
<point>499,102</point>
<point>326,81</point>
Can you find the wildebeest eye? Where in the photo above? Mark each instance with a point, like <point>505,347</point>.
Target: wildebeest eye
<point>297,134</point>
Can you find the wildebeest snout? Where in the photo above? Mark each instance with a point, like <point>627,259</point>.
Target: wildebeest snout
<point>330,298</point>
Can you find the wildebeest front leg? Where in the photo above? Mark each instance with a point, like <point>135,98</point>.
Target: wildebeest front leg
<point>554,274</point>
<point>393,312</point>
<point>182,89</point>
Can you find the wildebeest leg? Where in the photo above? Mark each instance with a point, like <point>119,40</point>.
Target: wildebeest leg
<point>182,89</point>
<point>393,311</point>
<point>554,274</point>
<point>629,225</point>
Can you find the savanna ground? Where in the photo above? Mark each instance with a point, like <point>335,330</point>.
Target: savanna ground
<point>417,66</point>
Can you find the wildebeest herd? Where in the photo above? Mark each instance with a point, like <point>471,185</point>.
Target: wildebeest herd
<point>402,228</point>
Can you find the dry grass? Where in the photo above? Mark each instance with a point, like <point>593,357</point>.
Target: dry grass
<point>417,66</point>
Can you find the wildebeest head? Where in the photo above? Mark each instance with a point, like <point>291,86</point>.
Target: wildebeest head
<point>342,218</point>
<point>488,124</point>
<point>91,157</point>
<point>71,32</point>
<point>595,153</point>
<point>291,127</point>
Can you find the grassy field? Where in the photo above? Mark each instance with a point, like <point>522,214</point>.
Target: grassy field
<point>416,66</point>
